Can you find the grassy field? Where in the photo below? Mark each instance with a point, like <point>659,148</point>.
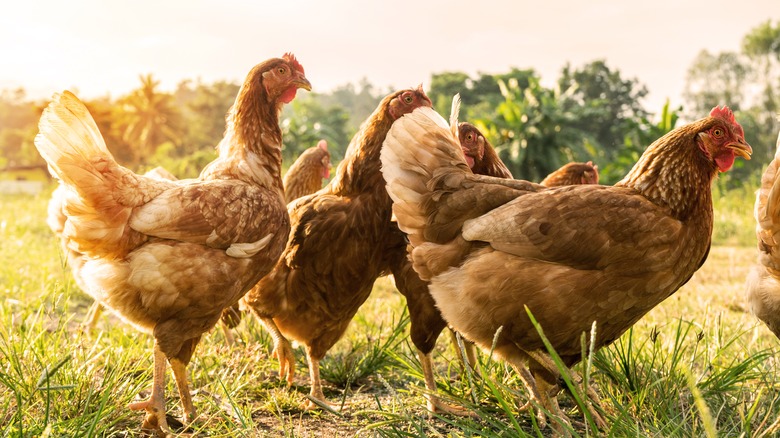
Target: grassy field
<point>697,365</point>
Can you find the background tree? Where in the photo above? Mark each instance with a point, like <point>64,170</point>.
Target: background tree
<point>532,131</point>
<point>18,126</point>
<point>150,118</point>
<point>306,120</point>
<point>606,105</point>
<point>203,107</point>
<point>715,79</point>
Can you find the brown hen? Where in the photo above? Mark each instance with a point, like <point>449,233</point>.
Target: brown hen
<point>493,248</point>
<point>572,174</point>
<point>479,153</point>
<point>303,178</point>
<point>169,256</point>
<point>342,240</point>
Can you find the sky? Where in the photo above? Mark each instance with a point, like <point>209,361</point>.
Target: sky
<point>101,47</point>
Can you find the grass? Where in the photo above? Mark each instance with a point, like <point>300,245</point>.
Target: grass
<point>696,365</point>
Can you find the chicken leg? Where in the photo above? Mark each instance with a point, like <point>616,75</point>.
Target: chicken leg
<point>179,368</point>
<point>155,405</point>
<point>592,398</point>
<point>316,385</point>
<point>436,405</point>
<point>93,314</point>
<point>283,351</point>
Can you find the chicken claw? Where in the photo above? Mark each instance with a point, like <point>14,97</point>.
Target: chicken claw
<point>283,351</point>
<point>155,405</point>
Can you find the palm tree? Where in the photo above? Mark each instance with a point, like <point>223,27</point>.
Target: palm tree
<point>149,119</point>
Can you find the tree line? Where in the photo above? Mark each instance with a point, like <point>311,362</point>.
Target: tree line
<point>591,113</point>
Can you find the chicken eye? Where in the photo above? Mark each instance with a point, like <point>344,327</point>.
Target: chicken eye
<point>470,137</point>
<point>408,98</point>
<point>282,70</point>
<point>717,133</point>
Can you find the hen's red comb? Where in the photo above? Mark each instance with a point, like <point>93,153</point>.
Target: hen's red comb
<point>726,114</point>
<point>723,113</point>
<point>289,57</point>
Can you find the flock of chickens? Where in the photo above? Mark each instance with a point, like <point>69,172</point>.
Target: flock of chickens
<point>424,199</point>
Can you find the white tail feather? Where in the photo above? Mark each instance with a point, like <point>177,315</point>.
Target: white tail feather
<point>454,114</point>
<point>417,145</point>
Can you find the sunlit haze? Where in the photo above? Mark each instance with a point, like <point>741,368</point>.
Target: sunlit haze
<point>99,47</point>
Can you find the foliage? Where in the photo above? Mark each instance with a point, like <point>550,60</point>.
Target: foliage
<point>148,118</point>
<point>203,107</point>
<point>608,106</point>
<point>715,79</point>
<point>638,136</point>
<point>18,126</point>
<point>305,121</point>
<point>532,132</point>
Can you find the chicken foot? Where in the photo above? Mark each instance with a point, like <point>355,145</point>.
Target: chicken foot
<point>436,405</point>
<point>283,351</point>
<point>592,399</point>
<point>539,394</point>
<point>155,405</point>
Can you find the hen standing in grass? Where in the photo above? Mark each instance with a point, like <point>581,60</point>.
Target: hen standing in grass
<point>763,285</point>
<point>493,247</point>
<point>342,240</point>
<point>169,256</point>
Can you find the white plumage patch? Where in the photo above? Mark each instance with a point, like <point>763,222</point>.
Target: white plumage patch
<point>246,250</point>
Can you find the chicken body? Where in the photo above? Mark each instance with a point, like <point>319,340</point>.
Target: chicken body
<point>572,174</point>
<point>305,176</point>
<point>341,241</point>
<point>169,256</point>
<point>763,284</point>
<point>56,218</point>
<point>493,247</point>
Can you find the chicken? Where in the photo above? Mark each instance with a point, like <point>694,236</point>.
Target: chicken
<point>763,283</point>
<point>483,160</point>
<point>479,153</point>
<point>492,248</point>
<point>56,218</point>
<point>169,256</point>
<point>305,176</point>
<point>342,240</point>
<point>572,174</point>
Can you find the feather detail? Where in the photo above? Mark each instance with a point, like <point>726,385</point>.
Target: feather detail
<point>246,250</point>
<point>454,112</point>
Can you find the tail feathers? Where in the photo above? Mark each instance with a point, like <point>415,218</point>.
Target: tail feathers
<point>454,111</point>
<point>419,146</point>
<point>68,135</point>
<point>99,193</point>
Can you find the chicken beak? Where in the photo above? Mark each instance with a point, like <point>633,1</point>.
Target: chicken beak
<point>301,82</point>
<point>741,148</point>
